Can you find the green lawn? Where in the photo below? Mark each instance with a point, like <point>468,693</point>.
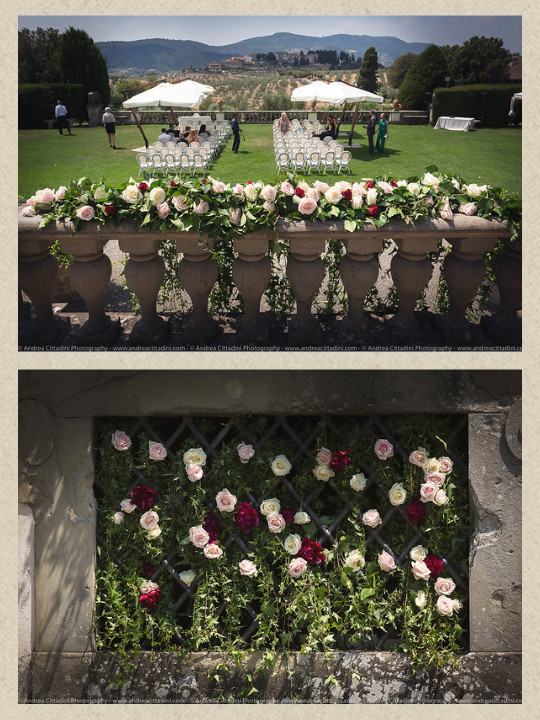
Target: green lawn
<point>48,159</point>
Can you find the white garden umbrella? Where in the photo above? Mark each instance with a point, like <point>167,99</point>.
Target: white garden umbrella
<point>316,91</point>
<point>340,92</point>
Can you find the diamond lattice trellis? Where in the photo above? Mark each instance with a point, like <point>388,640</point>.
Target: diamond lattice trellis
<point>171,433</point>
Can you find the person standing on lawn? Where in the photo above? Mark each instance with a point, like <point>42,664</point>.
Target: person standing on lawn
<point>370,130</point>
<point>109,121</point>
<point>60,113</point>
<point>382,134</point>
<point>235,127</point>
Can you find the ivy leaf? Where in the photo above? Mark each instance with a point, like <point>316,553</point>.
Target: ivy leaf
<point>366,593</point>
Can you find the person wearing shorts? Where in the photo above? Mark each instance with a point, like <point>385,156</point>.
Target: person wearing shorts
<point>109,121</point>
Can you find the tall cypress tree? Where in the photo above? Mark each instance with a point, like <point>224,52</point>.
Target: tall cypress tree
<point>425,74</point>
<point>367,75</point>
<point>81,62</point>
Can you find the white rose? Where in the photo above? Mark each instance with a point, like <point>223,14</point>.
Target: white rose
<point>441,498</point>
<point>430,180</point>
<point>292,544</point>
<point>419,552</point>
<point>420,599</point>
<point>475,190</point>
<point>413,188</point>
<point>323,472</point>
<point>333,195</point>
<point>269,506</point>
<point>187,577</point>
<point>355,560</point>
<point>397,494</point>
<point>100,193</point>
<point>195,455</point>
<point>371,196</point>
<point>358,482</point>
<point>247,568</point>
<point>268,193</point>
<point>154,533</point>
<point>250,191</point>
<point>118,518</point>
<point>157,195</point>
<point>301,518</point>
<point>149,520</point>
<point>280,465</point>
<point>131,194</point>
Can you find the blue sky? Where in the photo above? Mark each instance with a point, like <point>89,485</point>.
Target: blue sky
<point>222,30</point>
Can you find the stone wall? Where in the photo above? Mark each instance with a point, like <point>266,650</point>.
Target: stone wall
<point>57,409</point>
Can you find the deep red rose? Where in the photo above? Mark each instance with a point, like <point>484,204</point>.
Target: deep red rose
<point>174,184</point>
<point>288,515</point>
<point>143,496</point>
<point>416,512</point>
<point>299,192</point>
<point>211,525</point>
<point>393,183</point>
<point>370,185</point>
<point>151,599</point>
<point>148,570</point>
<point>249,182</point>
<point>341,459</point>
<point>311,552</point>
<point>246,517</point>
<point>143,187</point>
<point>374,211</point>
<point>347,194</point>
<point>110,210</point>
<point>434,564</point>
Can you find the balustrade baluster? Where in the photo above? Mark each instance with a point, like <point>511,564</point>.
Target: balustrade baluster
<point>252,270</point>
<point>305,272</point>
<point>198,273</point>
<point>411,271</point>
<point>359,270</point>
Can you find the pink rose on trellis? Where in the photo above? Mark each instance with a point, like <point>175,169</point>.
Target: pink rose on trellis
<point>225,501</point>
<point>386,561</point>
<point>127,505</point>
<point>444,586</point>
<point>445,606</point>
<point>245,452</point>
<point>149,520</point>
<point>371,518</point>
<point>436,478</point>
<point>445,465</point>
<point>120,440</point>
<point>297,566</point>
<point>420,570</point>
<point>118,518</point>
<point>247,568</point>
<point>418,457</point>
<point>323,456</point>
<point>428,491</point>
<point>383,449</point>
<point>198,536</point>
<point>212,551</point>
<point>156,451</point>
<point>194,471</point>
<point>276,522</point>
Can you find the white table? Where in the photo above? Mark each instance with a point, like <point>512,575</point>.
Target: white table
<point>454,123</point>
<point>194,120</point>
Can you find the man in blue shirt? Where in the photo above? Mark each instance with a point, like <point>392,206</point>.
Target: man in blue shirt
<point>235,127</point>
<point>60,113</point>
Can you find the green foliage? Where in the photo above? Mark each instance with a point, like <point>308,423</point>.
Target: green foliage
<point>81,62</point>
<point>488,102</point>
<point>397,71</point>
<point>37,103</point>
<point>479,60</point>
<point>329,607</point>
<point>426,73</point>
<point>38,56</point>
<point>367,75</point>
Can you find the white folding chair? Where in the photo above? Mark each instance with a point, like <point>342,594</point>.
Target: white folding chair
<point>327,161</point>
<point>342,161</point>
<point>145,164</point>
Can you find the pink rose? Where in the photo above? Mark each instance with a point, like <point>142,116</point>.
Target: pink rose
<point>225,501</point>
<point>163,210</point>
<point>383,449</point>
<point>201,208</point>
<point>268,206</point>
<point>118,518</point>
<point>313,194</point>
<point>428,491</point>
<point>418,457</point>
<point>247,568</point>
<point>235,215</point>
<point>238,190</point>
<point>45,196</point>
<point>386,561</point>
<point>179,202</point>
<point>428,201</point>
<point>218,187</point>
<point>436,478</point>
<point>86,212</point>
<point>60,193</point>
<point>357,201</point>
<point>307,206</point>
<point>324,456</point>
<point>120,440</point>
<point>321,187</point>
<point>149,520</point>
<point>444,605</point>
<point>156,451</point>
<point>268,193</point>
<point>359,189</point>
<point>468,209</point>
<point>245,452</point>
<point>385,187</point>
<point>212,551</point>
<point>128,505</point>
<point>420,570</point>
<point>28,211</point>
<point>444,586</point>
<point>276,522</point>
<point>297,566</point>
<point>198,536</point>
<point>371,518</point>
<point>194,472</point>
<point>148,587</point>
<point>445,465</point>
<point>287,188</point>
<point>446,210</point>
<point>32,201</point>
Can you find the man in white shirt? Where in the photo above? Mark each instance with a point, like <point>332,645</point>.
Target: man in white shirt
<point>60,113</point>
<point>164,137</point>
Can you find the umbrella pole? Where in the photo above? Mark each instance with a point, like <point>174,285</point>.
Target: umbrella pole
<point>353,122</point>
<point>139,126</point>
<point>342,115</point>
<point>175,120</point>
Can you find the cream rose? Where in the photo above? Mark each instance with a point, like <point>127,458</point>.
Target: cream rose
<point>420,570</point>
<point>444,605</point>
<point>131,194</point>
<point>333,195</point>
<point>428,491</point>
<point>195,455</point>
<point>212,551</point>
<point>420,599</point>
<point>431,465</point>
<point>383,449</point>
<point>413,188</point>
<point>157,195</point>
<point>358,482</point>
<point>198,536</point>
<point>120,440</point>
<point>386,561</point>
<point>475,190</point>
<point>156,451</point>
<point>419,552</point>
<point>187,577</point>
<point>323,456</point>
<point>247,568</point>
<point>250,191</point>
<point>149,519</point>
<point>245,452</point>
<point>445,465</point>
<point>154,533</point>
<point>371,196</point>
<point>281,466</point>
<point>292,543</point>
<point>225,501</point>
<point>100,193</point>
<point>441,498</point>
<point>297,566</point>
<point>444,586</point>
<point>194,472</point>
<point>86,213</point>
<point>323,472</point>
<point>301,518</point>
<point>355,560</point>
<point>269,506</point>
<point>418,457</point>
<point>276,522</point>
<point>397,494</point>
<point>371,518</point>
<point>127,505</point>
<point>118,518</point>
<point>430,180</point>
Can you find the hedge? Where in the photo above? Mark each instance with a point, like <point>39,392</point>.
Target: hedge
<point>37,102</point>
<point>465,101</point>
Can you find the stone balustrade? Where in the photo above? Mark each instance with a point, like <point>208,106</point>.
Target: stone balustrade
<point>411,269</point>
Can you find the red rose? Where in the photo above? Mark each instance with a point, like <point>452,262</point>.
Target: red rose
<point>416,512</point>
<point>374,211</point>
<point>434,564</point>
<point>311,552</point>
<point>299,192</point>
<point>143,496</point>
<point>110,210</point>
<point>370,185</point>
<point>173,184</point>
<point>211,525</point>
<point>347,194</point>
<point>148,570</point>
<point>288,515</point>
<point>393,183</point>
<point>246,517</point>
<point>151,599</point>
<point>341,459</point>
<point>143,187</point>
